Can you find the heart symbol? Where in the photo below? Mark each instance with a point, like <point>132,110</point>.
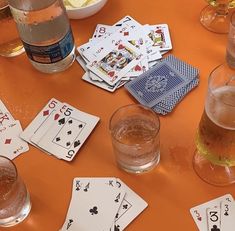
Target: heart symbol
<point>137,68</point>
<point>199,218</point>
<point>120,47</point>
<point>56,116</point>
<point>111,73</point>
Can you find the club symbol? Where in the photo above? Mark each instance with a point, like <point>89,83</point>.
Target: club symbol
<point>86,187</point>
<point>80,125</point>
<point>125,206</point>
<point>94,210</point>
<point>70,121</point>
<point>76,143</point>
<point>118,197</point>
<point>69,132</point>
<point>68,144</point>
<point>215,228</point>
<point>61,121</point>
<point>57,139</point>
<point>226,213</point>
<point>69,224</point>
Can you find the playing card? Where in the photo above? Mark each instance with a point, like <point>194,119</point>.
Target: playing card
<point>102,84</point>
<point>227,216</point>
<point>66,136</point>
<point>157,83</point>
<point>115,60</point>
<point>199,213</point>
<point>39,120</point>
<point>5,115</point>
<point>159,36</point>
<point>46,125</point>
<point>131,207</point>
<point>94,204</point>
<point>213,218</point>
<point>10,143</point>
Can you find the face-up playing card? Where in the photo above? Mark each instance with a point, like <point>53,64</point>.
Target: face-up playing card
<point>10,143</point>
<point>227,216</point>
<point>156,84</point>
<point>199,213</point>
<point>115,60</point>
<point>39,120</point>
<point>94,204</point>
<point>5,115</point>
<point>131,207</point>
<point>68,133</point>
<point>213,218</point>
<point>159,36</point>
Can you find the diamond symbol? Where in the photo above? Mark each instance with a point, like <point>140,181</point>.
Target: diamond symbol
<point>45,113</point>
<point>7,141</point>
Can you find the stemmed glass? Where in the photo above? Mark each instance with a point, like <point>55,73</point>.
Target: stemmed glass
<point>214,159</point>
<point>216,16</point>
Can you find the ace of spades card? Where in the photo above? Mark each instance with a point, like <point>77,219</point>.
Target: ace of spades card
<point>68,133</point>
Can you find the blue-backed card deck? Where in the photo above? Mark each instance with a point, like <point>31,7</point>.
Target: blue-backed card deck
<point>156,84</point>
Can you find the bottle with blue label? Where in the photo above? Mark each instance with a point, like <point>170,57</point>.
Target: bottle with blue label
<point>46,34</point>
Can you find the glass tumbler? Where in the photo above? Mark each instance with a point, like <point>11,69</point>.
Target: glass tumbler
<point>135,138</point>
<point>15,202</point>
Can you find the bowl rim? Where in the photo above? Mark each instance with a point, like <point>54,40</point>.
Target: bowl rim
<point>85,7</point>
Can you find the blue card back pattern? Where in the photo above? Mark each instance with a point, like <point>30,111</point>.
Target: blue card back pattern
<point>155,84</point>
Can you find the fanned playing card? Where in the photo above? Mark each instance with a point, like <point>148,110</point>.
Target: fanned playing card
<point>67,134</point>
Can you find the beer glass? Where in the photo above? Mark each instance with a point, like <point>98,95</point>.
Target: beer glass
<point>216,16</point>
<point>14,198</point>
<point>10,43</point>
<point>214,159</point>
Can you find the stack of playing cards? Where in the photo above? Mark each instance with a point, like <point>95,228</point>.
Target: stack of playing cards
<point>102,204</point>
<point>60,129</point>
<point>164,85</point>
<point>11,145</point>
<point>116,54</point>
<point>215,215</point>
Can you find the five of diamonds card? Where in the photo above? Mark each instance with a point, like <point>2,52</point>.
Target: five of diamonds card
<point>60,129</point>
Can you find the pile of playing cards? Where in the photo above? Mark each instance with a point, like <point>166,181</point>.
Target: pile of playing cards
<point>102,204</point>
<point>60,129</point>
<point>11,145</point>
<point>164,85</point>
<point>116,54</point>
<point>215,215</point>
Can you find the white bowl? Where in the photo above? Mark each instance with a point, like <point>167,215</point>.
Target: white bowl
<point>84,12</point>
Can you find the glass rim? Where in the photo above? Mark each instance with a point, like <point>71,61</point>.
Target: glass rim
<point>12,163</point>
<point>212,77</point>
<point>136,105</point>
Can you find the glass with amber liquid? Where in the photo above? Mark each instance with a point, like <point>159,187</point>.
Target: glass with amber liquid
<point>216,16</point>
<point>214,159</point>
<point>10,43</point>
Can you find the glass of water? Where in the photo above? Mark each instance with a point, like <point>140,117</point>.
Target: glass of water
<point>135,137</point>
<point>15,202</point>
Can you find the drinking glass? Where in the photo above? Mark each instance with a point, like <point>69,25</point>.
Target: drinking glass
<point>14,198</point>
<point>135,137</point>
<point>214,159</point>
<point>10,43</point>
<point>216,16</point>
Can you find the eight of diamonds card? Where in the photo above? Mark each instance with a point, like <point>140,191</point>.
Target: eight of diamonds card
<point>67,134</point>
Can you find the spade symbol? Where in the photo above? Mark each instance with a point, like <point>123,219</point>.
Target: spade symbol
<point>68,143</point>
<point>70,121</point>
<point>215,228</point>
<point>94,210</point>
<point>61,121</point>
<point>80,126</point>
<point>57,139</point>
<point>117,228</point>
<point>69,132</point>
<point>76,143</point>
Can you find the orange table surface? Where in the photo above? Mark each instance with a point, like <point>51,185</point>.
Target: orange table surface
<point>172,188</point>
